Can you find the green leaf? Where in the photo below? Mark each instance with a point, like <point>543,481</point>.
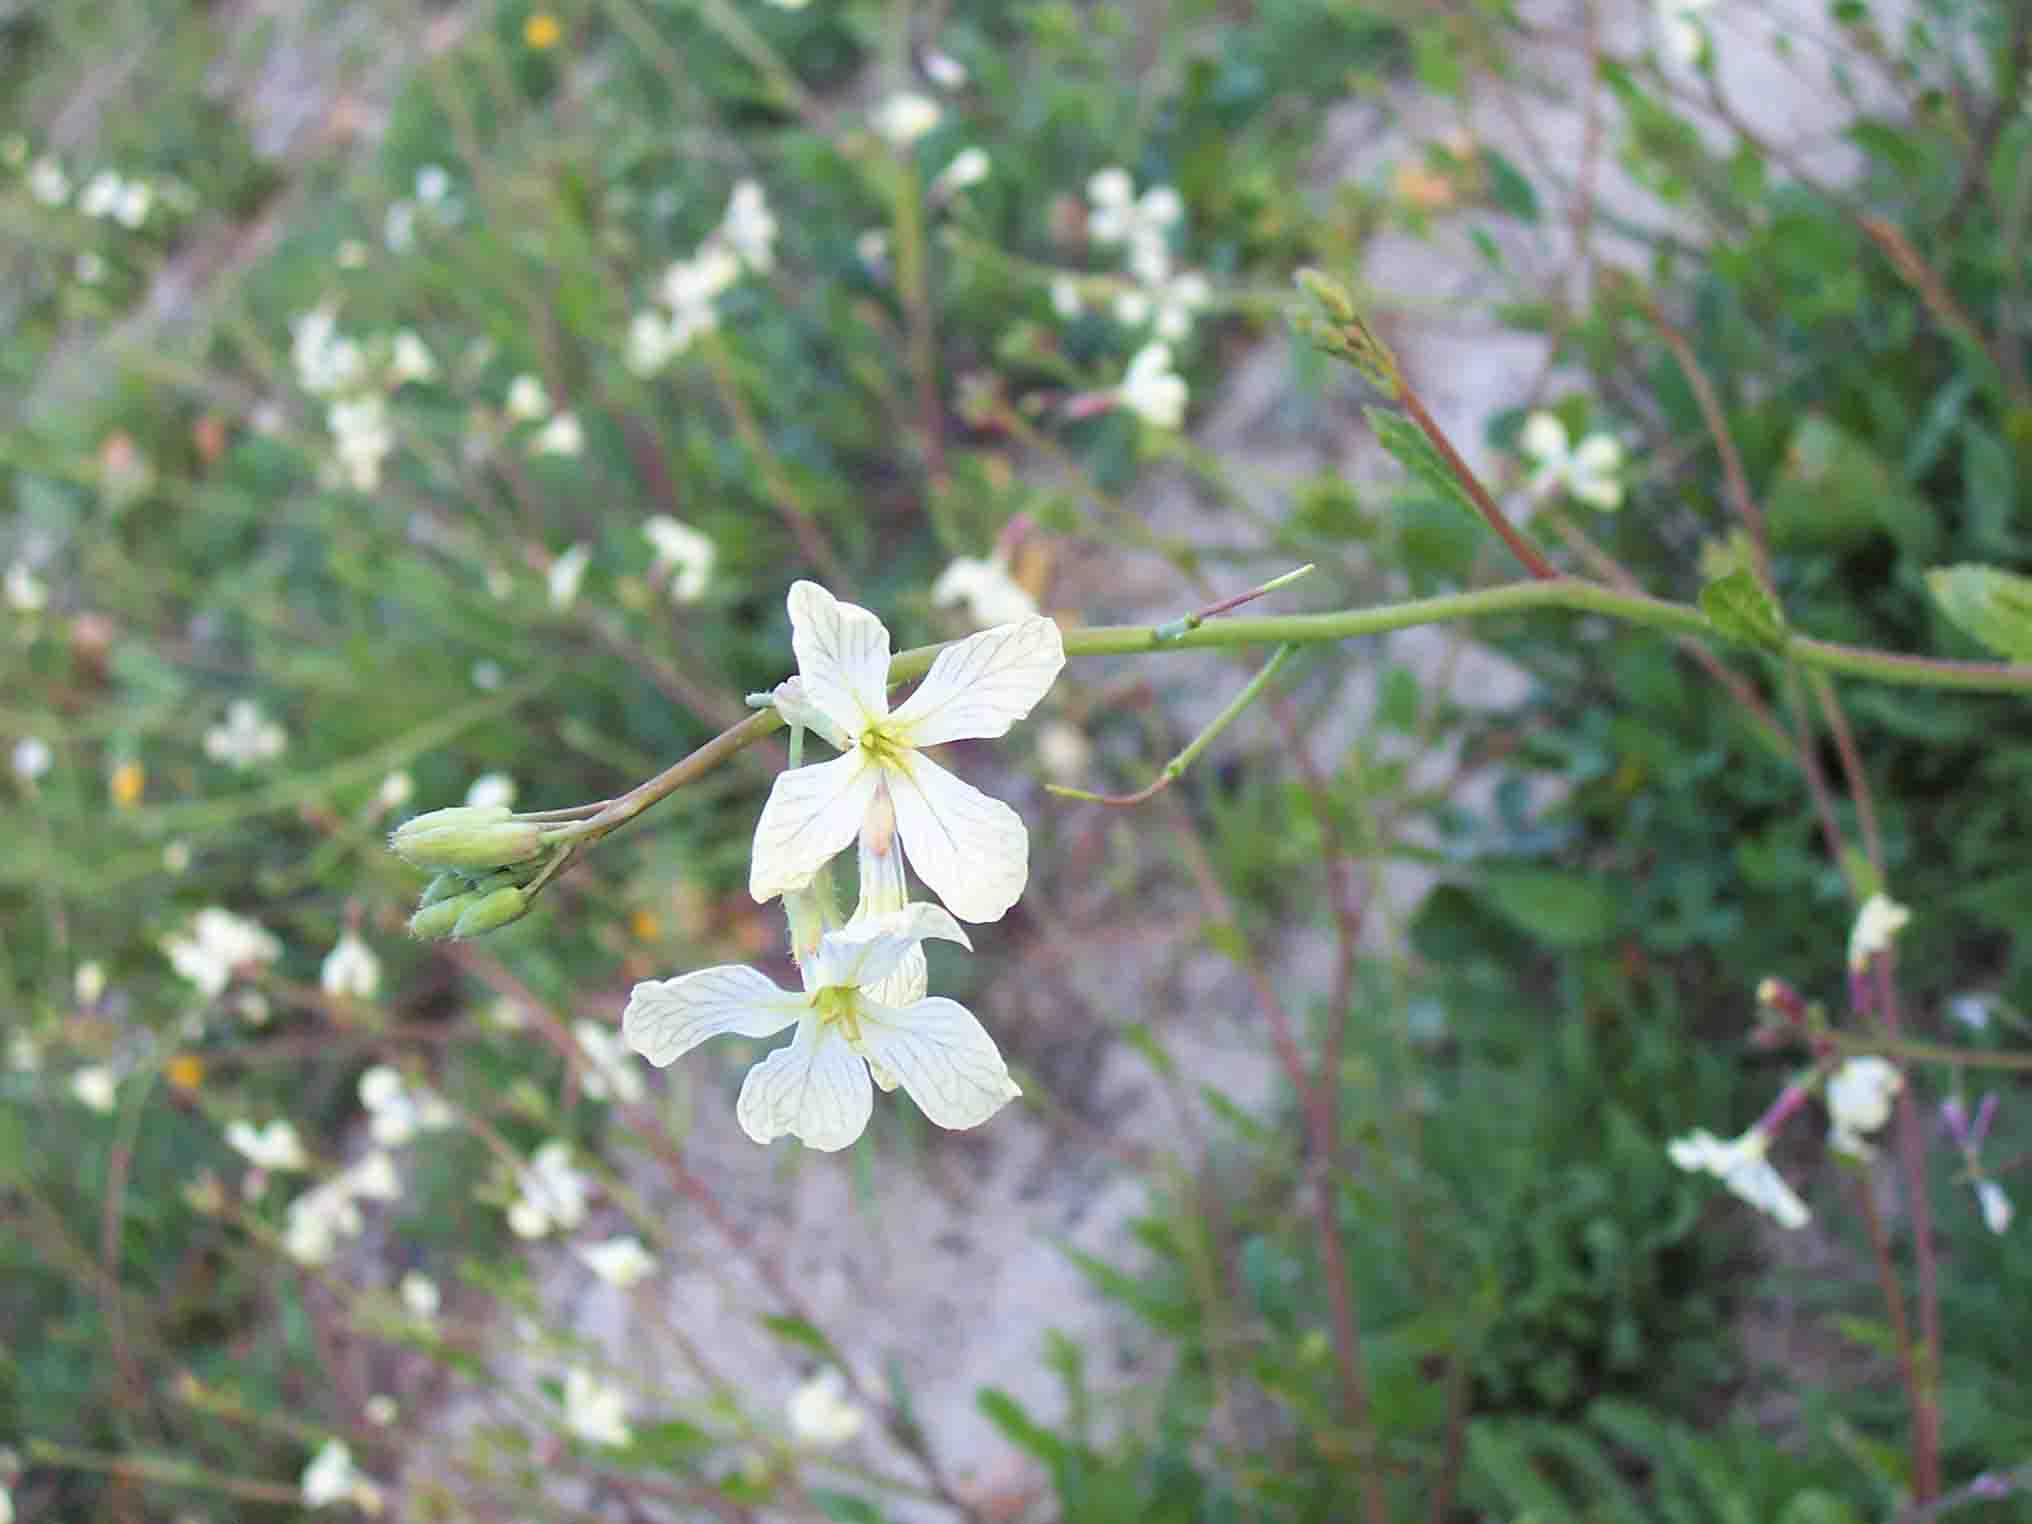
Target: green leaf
<point>1738,607</point>
<point>845,1507</point>
<point>1008,1415</point>
<point>797,1331</point>
<point>1991,605</point>
<point>1508,188</point>
<point>1561,908</point>
<point>1835,491</point>
<point>1415,453</point>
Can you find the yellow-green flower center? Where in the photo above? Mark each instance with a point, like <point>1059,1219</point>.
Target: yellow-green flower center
<point>882,746</point>
<point>839,1005</point>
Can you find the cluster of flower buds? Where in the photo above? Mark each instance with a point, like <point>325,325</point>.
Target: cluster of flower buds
<point>485,859</point>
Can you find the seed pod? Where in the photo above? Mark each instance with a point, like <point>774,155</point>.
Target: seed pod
<point>443,887</point>
<point>470,848</point>
<point>458,815</point>
<point>435,922</point>
<point>491,911</point>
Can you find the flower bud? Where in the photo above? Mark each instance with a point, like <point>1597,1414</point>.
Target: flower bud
<point>434,922</point>
<point>458,815</point>
<point>443,887</point>
<point>470,848</point>
<point>491,911</point>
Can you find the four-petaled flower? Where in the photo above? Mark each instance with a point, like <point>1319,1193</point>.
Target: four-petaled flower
<point>1880,919</point>
<point>596,1411</point>
<point>969,849</point>
<point>1741,1165</point>
<point>1152,390</point>
<point>817,1088</point>
<point>553,1193</point>
<point>1587,472</point>
<point>991,594</point>
<point>820,1413</point>
<point>1859,1096</point>
<point>274,1147</point>
<point>245,738</point>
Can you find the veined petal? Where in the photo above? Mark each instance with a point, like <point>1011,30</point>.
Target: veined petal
<point>883,889</point>
<point>812,813</point>
<point>945,1059</point>
<point>971,850</point>
<point>667,1018</point>
<point>982,685</point>
<point>842,657</point>
<point>815,1088</point>
<point>863,953</point>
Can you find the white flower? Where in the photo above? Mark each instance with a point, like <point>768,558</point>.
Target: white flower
<point>820,1413</point>
<point>100,195</point>
<point>689,289</point>
<point>25,591</point>
<point>491,789</point>
<point>411,360</point>
<point>971,850</point>
<point>398,227</point>
<point>6,1506</point>
<point>1972,1011</point>
<point>420,1295</point>
<point>561,436</point>
<point>1171,300</point>
<point>217,943</point>
<point>991,595</point>
<point>970,166</point>
<point>905,117</point>
<point>684,552</point>
<point>651,343</point>
<point>398,1110</point>
<point>1065,297</point>
<point>1997,1210</point>
<point>331,1477</point>
<point>351,968</point>
<point>362,439</point>
<point>373,1178</point>
<point>433,183</point>
<point>317,1220</point>
<point>1880,919</point>
<point>1685,37</point>
<point>608,1070</point>
<point>946,71</point>
<point>136,198</point>
<point>326,360</point>
<point>351,254</point>
<point>553,1193</point>
<point>817,1087</point>
<point>245,739</point>
<point>395,790</point>
<point>749,227</point>
<point>274,1147</point>
<point>565,574</point>
<point>380,1410</point>
<point>595,1411</point>
<point>1859,1096</point>
<point>92,1087</point>
<point>1118,215</point>
<point>1064,752</point>
<point>1152,390</point>
<point>32,758</point>
<point>48,183</point>
<point>618,1261</point>
<point>1587,473</point>
<point>527,400</point>
<point>88,984</point>
<point>1741,1166</point>
<point>872,249</point>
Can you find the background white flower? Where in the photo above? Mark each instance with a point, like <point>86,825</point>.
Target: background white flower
<point>970,166</point>
<point>562,435</point>
<point>420,1294</point>
<point>1152,390</point>
<point>553,1193</point>
<point>970,850</point>
<point>609,1069</point>
<point>32,758</point>
<point>817,1088</point>
<point>411,360</point>
<point>26,593</point>
<point>93,1088</point>
<point>527,400</point>
<point>351,968</point>
<point>274,1147</point>
<point>1741,1166</point>
<point>619,1262</point>
<point>596,1411</point>
<point>684,553</point>
<point>331,1477</point>
<point>1859,1096</point>
<point>246,738</point>
<point>398,1110</point>
<point>565,574</point>
<point>820,1413</point>
<point>1880,919</point>
<point>1587,473</point>
<point>491,789</point>
<point>1997,1210</point>
<point>218,943</point>
<point>991,595</point>
<point>904,118</point>
<point>749,227</point>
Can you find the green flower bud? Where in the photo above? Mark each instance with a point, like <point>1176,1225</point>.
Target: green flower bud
<point>491,911</point>
<point>470,848</point>
<point>458,815</point>
<point>443,887</point>
<point>435,922</point>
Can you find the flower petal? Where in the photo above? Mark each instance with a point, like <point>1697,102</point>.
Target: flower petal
<point>842,656</point>
<point>866,952</point>
<point>883,889</point>
<point>812,813</point>
<point>945,1059</point>
<point>1543,438</point>
<point>667,1018</point>
<point>980,686</point>
<point>970,850</point>
<point>816,1089</point>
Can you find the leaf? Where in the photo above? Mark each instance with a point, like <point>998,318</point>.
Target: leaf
<point>1558,907</point>
<point>1508,188</point>
<point>797,1331</point>
<point>1008,1415</point>
<point>1738,607</point>
<point>1415,453</point>
<point>844,1507</point>
<point>1989,604</point>
<point>1835,491</point>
